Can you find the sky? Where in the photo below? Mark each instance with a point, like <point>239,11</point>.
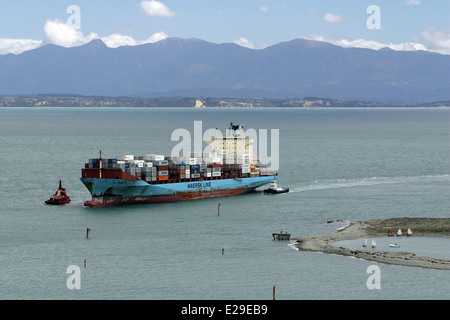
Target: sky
<point>256,24</point>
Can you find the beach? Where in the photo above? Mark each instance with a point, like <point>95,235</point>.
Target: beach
<point>425,227</point>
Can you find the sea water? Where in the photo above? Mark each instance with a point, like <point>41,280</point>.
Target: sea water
<point>341,165</point>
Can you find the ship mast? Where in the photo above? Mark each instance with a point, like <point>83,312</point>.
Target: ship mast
<point>100,165</point>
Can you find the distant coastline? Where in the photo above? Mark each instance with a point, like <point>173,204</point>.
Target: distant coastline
<point>51,100</point>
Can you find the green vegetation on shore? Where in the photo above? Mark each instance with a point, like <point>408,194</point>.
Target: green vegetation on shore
<point>419,226</point>
<point>190,102</point>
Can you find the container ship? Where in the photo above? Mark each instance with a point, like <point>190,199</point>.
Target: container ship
<point>229,169</point>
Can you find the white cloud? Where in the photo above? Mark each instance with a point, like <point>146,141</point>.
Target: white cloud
<point>59,33</point>
<point>17,46</point>
<point>244,43</point>
<point>369,44</point>
<point>62,34</point>
<point>118,40</point>
<point>438,41</point>
<point>265,8</point>
<point>335,18</point>
<point>432,40</point>
<point>413,2</point>
<point>155,8</point>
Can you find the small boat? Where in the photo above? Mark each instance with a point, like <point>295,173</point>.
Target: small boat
<point>374,244</point>
<point>274,188</point>
<point>399,233</point>
<point>391,234</point>
<point>60,196</point>
<point>394,245</point>
<point>365,243</point>
<point>409,233</point>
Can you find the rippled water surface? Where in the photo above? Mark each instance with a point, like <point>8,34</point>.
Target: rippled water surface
<point>340,164</point>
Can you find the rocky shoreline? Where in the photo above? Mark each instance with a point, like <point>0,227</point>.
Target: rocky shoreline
<point>429,227</point>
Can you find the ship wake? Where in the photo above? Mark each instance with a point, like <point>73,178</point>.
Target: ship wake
<point>370,181</point>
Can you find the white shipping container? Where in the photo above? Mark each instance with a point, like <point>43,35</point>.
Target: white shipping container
<point>128,157</point>
<point>160,162</point>
<point>156,157</point>
<point>220,152</point>
<point>196,155</point>
<point>216,174</point>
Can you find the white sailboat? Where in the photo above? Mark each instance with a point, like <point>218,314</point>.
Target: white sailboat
<point>374,244</point>
<point>409,233</point>
<point>365,243</point>
<point>399,233</point>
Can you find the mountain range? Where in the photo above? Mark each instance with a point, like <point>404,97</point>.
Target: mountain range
<point>197,68</point>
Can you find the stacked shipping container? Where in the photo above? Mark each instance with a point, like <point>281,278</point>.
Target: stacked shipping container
<point>155,168</point>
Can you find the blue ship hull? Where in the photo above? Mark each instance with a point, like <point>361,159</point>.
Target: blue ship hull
<point>109,192</point>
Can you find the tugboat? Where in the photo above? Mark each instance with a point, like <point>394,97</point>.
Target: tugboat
<point>60,196</point>
<point>274,188</point>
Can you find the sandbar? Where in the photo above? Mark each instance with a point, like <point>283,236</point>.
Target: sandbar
<point>426,227</point>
